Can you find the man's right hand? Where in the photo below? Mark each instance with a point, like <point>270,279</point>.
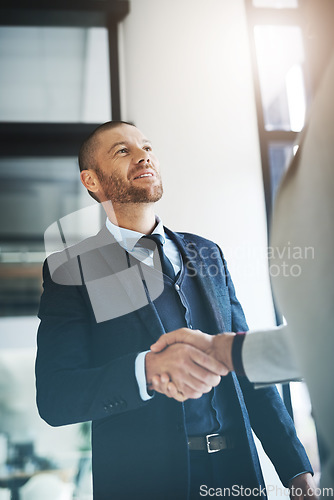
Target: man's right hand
<point>192,371</point>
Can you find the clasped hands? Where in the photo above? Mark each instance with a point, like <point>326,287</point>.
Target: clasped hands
<point>187,363</point>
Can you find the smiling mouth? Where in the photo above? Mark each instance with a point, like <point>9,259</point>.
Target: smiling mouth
<point>141,176</point>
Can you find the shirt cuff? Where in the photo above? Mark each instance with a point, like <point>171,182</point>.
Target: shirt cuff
<point>236,353</point>
<point>141,376</point>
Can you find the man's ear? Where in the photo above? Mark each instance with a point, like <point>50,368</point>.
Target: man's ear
<point>90,181</point>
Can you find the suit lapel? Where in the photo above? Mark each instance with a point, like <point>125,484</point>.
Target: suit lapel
<point>130,280</point>
<point>214,293</point>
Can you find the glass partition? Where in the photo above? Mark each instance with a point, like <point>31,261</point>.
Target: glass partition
<point>54,74</point>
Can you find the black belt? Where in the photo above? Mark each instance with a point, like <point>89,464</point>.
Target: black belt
<point>210,443</point>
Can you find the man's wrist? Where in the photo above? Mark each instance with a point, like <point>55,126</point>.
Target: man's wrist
<point>300,475</point>
<point>222,348</point>
<point>149,367</point>
<point>236,353</point>
<point>140,372</point>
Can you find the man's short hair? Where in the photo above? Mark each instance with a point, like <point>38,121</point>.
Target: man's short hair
<point>87,152</point>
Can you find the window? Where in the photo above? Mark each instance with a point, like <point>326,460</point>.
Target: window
<point>280,59</point>
<point>59,80</point>
<point>54,74</point>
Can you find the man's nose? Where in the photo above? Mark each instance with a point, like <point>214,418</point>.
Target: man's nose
<point>142,157</point>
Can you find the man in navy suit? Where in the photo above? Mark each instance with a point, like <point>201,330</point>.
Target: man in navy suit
<point>105,301</point>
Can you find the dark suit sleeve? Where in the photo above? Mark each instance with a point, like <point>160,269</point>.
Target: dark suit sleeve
<point>69,387</point>
<point>268,416</point>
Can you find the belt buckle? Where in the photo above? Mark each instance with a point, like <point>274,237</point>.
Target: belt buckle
<point>208,443</point>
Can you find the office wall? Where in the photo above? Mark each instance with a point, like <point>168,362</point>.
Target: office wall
<point>187,83</point>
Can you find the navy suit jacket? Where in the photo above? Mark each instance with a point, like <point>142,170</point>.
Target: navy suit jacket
<point>85,371</point>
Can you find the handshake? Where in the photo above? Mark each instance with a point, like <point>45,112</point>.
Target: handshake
<point>187,363</point>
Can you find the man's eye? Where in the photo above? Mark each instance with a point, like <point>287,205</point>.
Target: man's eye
<point>123,150</point>
<point>148,148</point>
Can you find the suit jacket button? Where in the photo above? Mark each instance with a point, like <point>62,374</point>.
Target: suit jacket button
<point>177,287</point>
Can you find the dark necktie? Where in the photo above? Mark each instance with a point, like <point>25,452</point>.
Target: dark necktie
<point>166,265</point>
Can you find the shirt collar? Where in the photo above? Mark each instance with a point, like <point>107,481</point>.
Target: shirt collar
<point>128,239</point>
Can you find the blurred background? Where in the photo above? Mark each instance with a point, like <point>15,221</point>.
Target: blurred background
<point>221,87</point>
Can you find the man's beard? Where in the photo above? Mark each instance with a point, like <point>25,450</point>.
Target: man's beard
<point>117,191</point>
